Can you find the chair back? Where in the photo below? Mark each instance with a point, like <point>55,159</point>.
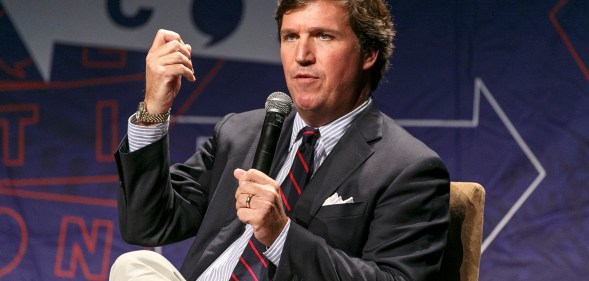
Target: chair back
<point>462,257</point>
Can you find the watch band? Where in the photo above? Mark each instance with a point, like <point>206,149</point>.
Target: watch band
<point>145,117</point>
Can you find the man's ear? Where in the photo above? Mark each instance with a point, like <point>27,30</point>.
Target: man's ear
<point>369,56</point>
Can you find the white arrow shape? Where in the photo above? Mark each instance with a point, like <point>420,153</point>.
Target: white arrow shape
<point>480,88</point>
<point>42,24</point>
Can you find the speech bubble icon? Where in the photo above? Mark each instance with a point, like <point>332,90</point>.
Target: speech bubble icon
<point>217,18</point>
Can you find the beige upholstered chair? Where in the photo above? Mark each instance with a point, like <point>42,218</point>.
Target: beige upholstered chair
<point>463,252</point>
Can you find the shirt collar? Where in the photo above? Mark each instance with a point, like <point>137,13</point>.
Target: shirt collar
<point>333,129</point>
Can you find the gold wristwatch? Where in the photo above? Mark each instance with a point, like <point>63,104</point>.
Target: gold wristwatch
<point>143,116</point>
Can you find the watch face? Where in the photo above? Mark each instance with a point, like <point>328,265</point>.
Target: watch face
<point>140,112</point>
<point>144,116</point>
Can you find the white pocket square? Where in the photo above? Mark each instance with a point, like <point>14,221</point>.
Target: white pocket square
<point>336,199</point>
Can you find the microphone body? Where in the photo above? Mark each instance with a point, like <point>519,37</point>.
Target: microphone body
<point>277,106</point>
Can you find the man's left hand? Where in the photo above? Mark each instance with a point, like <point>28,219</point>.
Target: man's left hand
<point>259,204</point>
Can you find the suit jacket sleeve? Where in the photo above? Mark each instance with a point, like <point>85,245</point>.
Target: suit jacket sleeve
<point>159,204</point>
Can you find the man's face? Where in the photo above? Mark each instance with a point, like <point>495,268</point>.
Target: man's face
<point>322,62</point>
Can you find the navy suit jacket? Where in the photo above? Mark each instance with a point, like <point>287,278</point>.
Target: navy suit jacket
<point>395,229</point>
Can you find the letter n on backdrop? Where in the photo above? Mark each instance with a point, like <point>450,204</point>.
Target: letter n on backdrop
<point>88,248</point>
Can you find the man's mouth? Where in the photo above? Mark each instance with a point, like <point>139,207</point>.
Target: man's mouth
<point>305,76</point>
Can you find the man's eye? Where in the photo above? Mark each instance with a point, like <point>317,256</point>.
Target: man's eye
<point>289,37</point>
<point>325,36</point>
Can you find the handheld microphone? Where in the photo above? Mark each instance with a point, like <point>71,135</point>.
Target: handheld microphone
<point>278,105</point>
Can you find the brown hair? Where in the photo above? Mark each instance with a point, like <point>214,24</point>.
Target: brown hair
<point>370,20</point>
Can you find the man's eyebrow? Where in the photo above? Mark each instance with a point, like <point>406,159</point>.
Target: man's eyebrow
<point>286,30</point>
<point>312,30</point>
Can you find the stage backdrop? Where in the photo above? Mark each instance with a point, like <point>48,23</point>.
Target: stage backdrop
<point>499,88</point>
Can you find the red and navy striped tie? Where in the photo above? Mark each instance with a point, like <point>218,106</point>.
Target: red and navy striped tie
<point>301,170</point>
<point>252,264</point>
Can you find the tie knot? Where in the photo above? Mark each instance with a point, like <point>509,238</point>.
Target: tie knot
<point>309,135</point>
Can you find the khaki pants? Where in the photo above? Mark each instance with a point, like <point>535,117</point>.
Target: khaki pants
<point>143,265</point>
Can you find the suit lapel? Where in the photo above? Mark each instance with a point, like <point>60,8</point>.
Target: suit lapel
<point>350,153</point>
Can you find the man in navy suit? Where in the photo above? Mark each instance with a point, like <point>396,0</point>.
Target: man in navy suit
<point>375,208</point>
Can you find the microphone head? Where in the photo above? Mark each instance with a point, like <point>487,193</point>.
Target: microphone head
<point>278,102</point>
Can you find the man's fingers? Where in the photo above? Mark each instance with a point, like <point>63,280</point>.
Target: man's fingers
<point>168,48</point>
<point>179,65</point>
<point>174,71</point>
<point>173,52</point>
<point>257,210</point>
<point>176,47</point>
<point>256,176</point>
<point>172,64</point>
<point>237,173</point>
<point>266,218</point>
<point>164,36</point>
<point>241,201</point>
<point>184,71</point>
<point>161,47</point>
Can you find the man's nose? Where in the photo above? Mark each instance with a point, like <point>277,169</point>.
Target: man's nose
<point>305,52</point>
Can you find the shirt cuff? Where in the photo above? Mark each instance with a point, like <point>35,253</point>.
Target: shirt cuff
<point>275,251</point>
<point>141,136</point>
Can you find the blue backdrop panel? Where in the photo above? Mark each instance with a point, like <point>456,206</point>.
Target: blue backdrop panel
<point>499,88</point>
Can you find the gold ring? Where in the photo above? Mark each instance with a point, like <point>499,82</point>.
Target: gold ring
<point>248,200</point>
